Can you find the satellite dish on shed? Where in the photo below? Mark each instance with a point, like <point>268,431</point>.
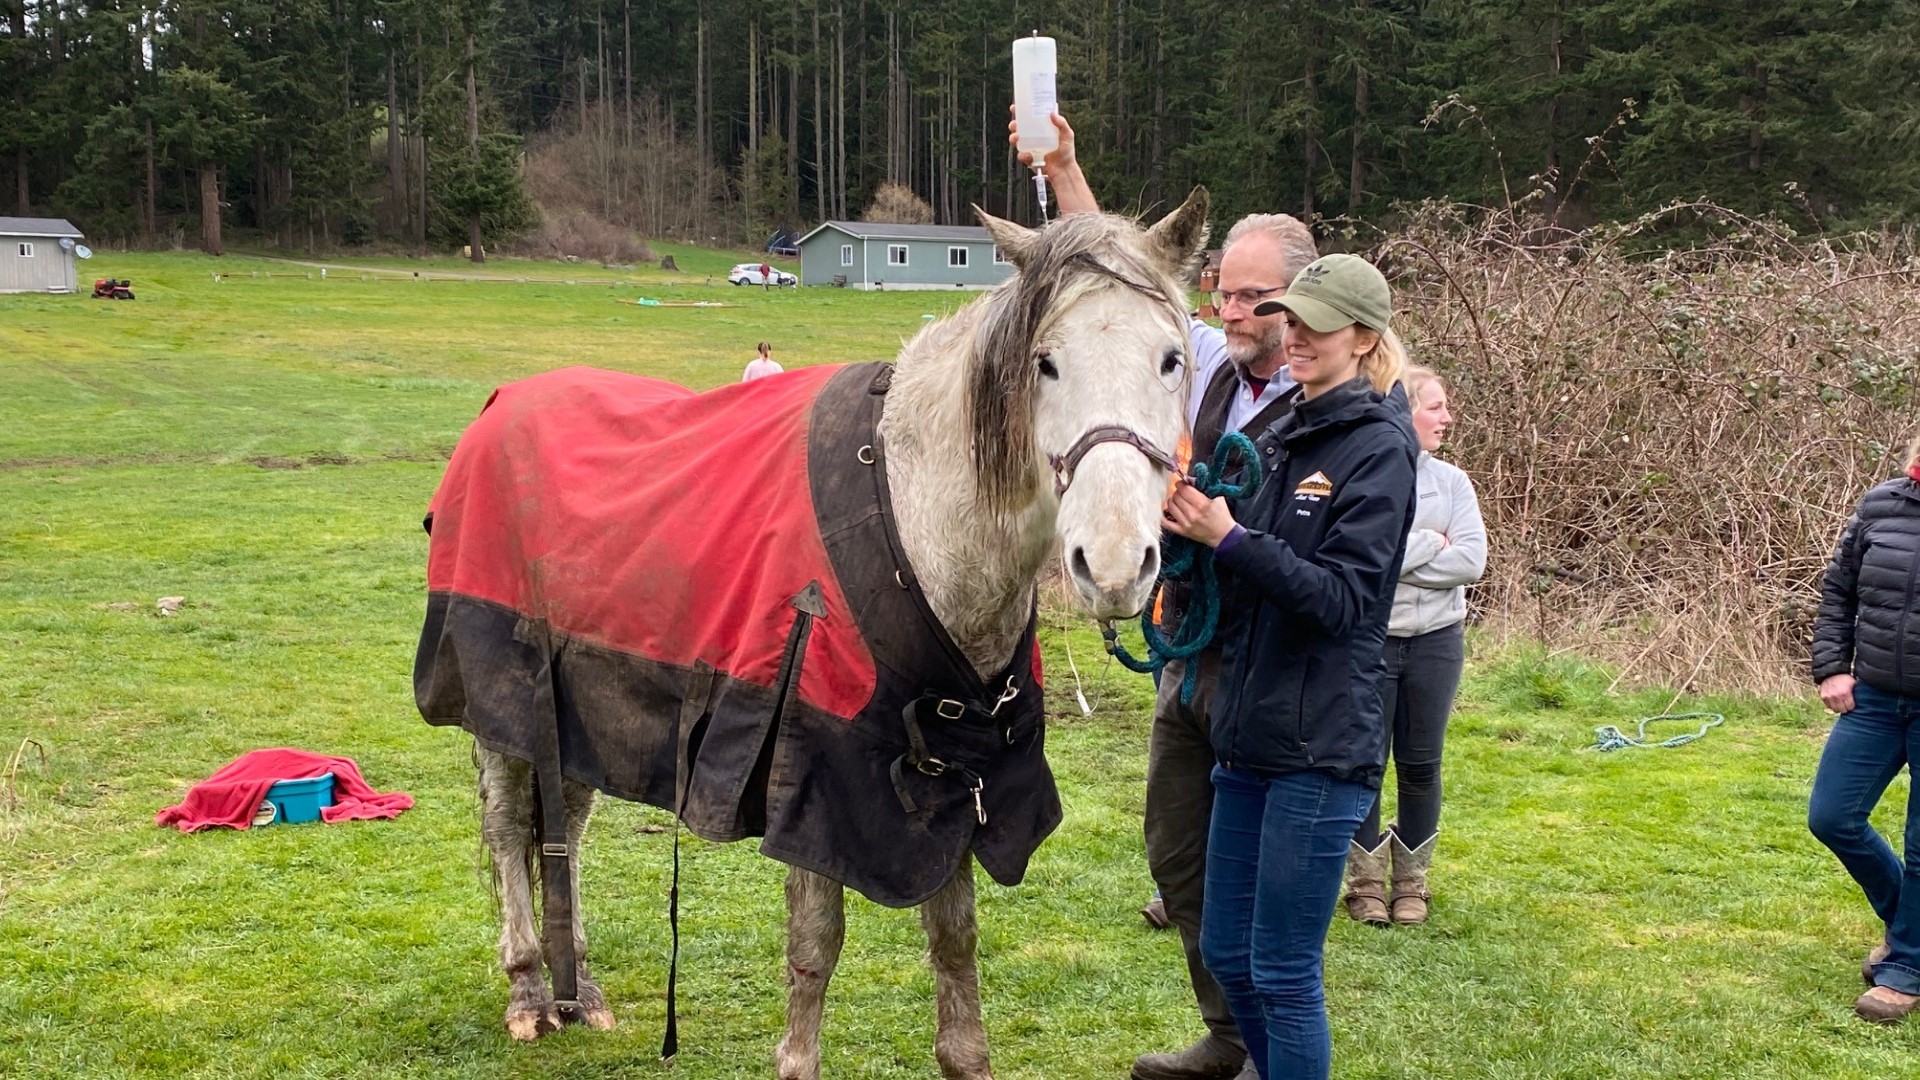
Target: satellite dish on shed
<point>66,243</point>
<point>83,251</point>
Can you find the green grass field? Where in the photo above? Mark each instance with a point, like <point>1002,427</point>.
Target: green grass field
<point>264,447</point>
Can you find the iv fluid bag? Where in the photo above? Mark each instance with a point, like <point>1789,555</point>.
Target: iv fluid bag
<point>1033,95</point>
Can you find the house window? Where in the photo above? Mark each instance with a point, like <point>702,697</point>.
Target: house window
<point>957,257</point>
<point>846,254</point>
<point>1000,257</point>
<point>896,254</point>
<point>26,251</point>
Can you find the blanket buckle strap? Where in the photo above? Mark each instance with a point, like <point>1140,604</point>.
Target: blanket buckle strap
<point>921,757</point>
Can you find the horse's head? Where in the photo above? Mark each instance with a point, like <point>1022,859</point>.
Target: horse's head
<point>1079,387</point>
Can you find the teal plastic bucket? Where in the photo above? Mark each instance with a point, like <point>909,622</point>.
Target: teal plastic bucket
<point>296,801</point>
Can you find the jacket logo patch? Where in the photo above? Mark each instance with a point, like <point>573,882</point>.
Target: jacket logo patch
<point>1315,485</point>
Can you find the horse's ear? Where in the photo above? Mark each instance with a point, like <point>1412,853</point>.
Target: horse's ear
<point>1181,236</point>
<point>1014,241</point>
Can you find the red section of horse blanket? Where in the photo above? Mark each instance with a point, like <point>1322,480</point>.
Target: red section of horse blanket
<point>636,515</point>
<point>230,797</point>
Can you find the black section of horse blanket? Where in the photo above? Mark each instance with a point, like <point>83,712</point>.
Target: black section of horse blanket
<point>852,799</point>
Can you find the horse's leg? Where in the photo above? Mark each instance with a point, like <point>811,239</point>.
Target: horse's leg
<point>593,1004</point>
<point>960,1040</point>
<point>506,823</point>
<point>816,928</point>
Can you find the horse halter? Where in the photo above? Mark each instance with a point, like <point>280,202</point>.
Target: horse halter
<point>1065,464</point>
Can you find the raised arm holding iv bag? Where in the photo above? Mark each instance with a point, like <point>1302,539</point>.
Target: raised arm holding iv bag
<point>1034,102</point>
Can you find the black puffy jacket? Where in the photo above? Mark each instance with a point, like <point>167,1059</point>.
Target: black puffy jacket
<point>1307,592</point>
<point>1869,622</point>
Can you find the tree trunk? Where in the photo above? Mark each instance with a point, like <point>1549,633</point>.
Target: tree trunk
<point>753,91</point>
<point>1357,176</point>
<point>210,208</point>
<point>20,177</point>
<point>1307,137</point>
<point>153,184</point>
<point>396,165</point>
<point>793,110</point>
<point>1556,186</point>
<point>819,128</point>
<point>419,124</point>
<point>840,110</point>
<point>475,251</point>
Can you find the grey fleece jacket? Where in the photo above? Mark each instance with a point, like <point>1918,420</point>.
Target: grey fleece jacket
<point>1446,552</point>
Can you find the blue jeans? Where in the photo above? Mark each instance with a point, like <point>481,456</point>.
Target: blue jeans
<point>1276,853</point>
<point>1864,753</point>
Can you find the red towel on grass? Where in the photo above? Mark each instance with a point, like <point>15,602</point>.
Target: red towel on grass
<point>230,796</point>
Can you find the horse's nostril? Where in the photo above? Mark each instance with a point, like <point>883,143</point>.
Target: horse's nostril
<point>1150,563</point>
<point>1079,566</point>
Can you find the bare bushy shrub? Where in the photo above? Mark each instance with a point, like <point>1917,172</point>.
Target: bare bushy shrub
<point>638,171</point>
<point>896,204</point>
<point>580,234</point>
<point>1666,443</point>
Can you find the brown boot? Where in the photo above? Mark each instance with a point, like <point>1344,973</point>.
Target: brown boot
<point>1885,1005</point>
<point>1367,883</point>
<point>1212,1058</point>
<point>1880,952</point>
<point>1408,904</point>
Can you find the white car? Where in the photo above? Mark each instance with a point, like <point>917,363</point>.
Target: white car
<point>749,274</point>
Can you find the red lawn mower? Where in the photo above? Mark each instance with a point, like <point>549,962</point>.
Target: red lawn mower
<point>108,289</point>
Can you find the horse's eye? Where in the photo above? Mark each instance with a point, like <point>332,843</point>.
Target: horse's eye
<point>1046,364</point>
<point>1170,363</point>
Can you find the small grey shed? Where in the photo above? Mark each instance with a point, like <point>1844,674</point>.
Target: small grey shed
<point>875,255</point>
<point>33,257</point>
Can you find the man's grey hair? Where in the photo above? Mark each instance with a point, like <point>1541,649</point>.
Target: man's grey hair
<point>1289,232</point>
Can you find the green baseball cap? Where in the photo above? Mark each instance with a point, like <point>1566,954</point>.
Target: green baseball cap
<point>1336,291</point>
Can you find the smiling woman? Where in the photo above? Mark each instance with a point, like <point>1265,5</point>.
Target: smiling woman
<point>1297,727</point>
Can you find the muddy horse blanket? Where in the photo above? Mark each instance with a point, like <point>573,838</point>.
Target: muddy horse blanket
<point>705,597</point>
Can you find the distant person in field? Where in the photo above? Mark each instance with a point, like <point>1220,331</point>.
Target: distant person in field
<point>1866,661</point>
<point>762,365</point>
<point>1240,384</point>
<point>1426,650</point>
<point>766,276</point>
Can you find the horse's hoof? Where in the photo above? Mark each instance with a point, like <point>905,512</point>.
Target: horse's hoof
<point>528,1024</point>
<point>600,1019</point>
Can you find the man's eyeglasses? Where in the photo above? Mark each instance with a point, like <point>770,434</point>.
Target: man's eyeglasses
<point>1249,297</point>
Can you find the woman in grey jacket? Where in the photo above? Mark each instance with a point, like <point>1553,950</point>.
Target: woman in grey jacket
<point>1426,649</point>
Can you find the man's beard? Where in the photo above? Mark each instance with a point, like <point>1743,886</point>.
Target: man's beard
<point>1248,351</point>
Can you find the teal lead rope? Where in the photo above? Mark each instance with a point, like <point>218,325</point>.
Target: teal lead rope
<point>1191,562</point>
<point>1608,738</point>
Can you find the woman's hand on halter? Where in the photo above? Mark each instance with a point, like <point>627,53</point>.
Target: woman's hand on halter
<point>1196,517</point>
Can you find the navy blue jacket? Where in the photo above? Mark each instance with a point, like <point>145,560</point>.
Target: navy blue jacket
<point>1308,589</point>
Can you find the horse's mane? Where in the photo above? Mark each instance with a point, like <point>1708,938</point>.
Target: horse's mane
<point>1074,255</point>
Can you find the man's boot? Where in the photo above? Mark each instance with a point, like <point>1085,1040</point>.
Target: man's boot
<point>1367,883</point>
<point>1408,904</point>
<point>1212,1058</point>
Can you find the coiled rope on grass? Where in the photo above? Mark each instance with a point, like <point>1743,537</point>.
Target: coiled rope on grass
<point>1608,738</point>
<point>1190,562</point>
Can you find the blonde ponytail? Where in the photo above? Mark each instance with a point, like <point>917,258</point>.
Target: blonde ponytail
<point>1386,362</point>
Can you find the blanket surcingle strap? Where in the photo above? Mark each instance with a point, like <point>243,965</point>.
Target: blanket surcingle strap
<point>703,601</point>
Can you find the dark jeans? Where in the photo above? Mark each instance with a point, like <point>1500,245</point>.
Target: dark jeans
<point>1423,675</point>
<point>1864,753</point>
<point>1275,858</point>
<point>1179,813</point>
